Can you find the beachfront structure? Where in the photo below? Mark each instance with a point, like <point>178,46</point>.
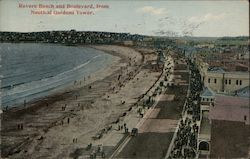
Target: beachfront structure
<point>220,107</point>
<point>204,135</point>
<point>207,96</point>
<point>225,96</point>
<point>221,80</point>
<point>230,108</point>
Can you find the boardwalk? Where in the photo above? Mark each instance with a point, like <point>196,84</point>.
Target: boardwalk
<point>157,130</point>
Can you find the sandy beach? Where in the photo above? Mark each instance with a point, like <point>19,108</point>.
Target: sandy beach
<point>62,125</point>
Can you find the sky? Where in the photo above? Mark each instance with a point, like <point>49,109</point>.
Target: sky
<point>214,18</point>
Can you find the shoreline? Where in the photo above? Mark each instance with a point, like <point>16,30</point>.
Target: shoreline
<point>16,115</point>
<point>69,86</point>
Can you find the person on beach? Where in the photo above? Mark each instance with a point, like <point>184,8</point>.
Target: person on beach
<point>74,140</point>
<point>63,108</point>
<point>20,126</point>
<point>103,154</point>
<point>125,130</point>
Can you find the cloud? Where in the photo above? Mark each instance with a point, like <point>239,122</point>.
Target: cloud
<point>206,18</point>
<point>168,33</point>
<point>191,24</point>
<point>151,10</point>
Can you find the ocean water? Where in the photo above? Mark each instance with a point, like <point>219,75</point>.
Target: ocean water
<point>30,71</point>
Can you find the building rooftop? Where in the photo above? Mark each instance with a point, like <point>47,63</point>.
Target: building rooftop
<point>216,69</point>
<point>230,108</point>
<point>244,92</point>
<point>235,134</point>
<point>207,92</point>
<point>226,72</point>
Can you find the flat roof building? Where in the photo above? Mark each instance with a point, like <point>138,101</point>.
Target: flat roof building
<point>230,108</point>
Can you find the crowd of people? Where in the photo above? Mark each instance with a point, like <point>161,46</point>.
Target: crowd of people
<point>185,142</point>
<point>193,101</point>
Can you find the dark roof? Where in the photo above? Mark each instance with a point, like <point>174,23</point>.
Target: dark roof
<point>216,69</point>
<point>244,92</point>
<point>207,92</point>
